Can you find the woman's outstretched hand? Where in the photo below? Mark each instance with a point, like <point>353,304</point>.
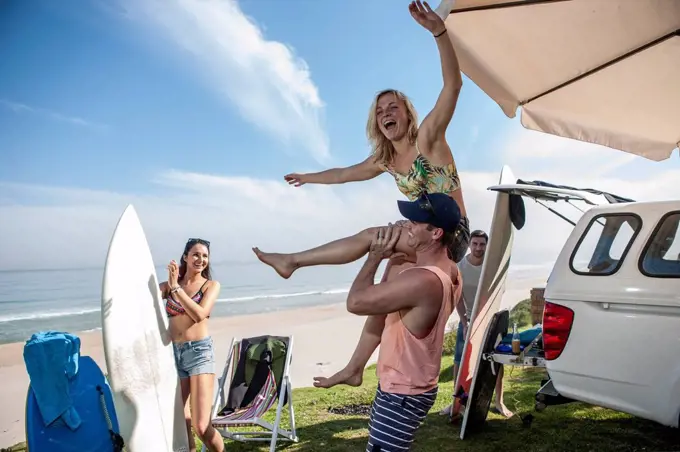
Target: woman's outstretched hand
<point>426,17</point>
<point>296,179</point>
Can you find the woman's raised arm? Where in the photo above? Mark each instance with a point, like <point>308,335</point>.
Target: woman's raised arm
<point>435,123</point>
<point>368,169</point>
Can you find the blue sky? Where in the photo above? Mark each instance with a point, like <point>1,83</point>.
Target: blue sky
<point>144,105</point>
<point>189,105</point>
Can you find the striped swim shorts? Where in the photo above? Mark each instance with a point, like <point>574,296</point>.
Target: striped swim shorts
<point>395,418</point>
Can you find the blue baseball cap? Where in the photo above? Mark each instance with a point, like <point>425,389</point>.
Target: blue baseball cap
<point>438,209</point>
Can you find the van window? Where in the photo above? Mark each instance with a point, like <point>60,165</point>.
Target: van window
<point>661,257</point>
<point>603,246</point>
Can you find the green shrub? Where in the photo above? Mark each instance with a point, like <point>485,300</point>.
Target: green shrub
<point>521,314</point>
<point>449,343</point>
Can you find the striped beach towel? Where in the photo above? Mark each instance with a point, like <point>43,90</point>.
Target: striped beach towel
<point>395,418</point>
<point>264,400</point>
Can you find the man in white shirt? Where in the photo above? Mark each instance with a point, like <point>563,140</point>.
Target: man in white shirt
<point>470,268</point>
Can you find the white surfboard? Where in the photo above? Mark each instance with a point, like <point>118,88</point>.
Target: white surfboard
<point>489,295</point>
<point>137,345</point>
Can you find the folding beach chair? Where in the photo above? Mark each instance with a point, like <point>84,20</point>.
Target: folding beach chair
<point>255,376</point>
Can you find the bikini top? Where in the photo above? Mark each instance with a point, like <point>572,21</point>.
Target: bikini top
<point>174,307</point>
<point>424,176</point>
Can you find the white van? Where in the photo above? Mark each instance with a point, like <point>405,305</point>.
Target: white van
<point>611,324</point>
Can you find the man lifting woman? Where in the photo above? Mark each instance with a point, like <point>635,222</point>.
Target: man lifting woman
<point>420,160</point>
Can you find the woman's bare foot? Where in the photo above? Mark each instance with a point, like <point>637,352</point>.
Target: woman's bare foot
<point>282,263</point>
<point>343,377</point>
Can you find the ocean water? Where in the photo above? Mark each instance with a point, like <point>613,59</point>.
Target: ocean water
<point>69,300</point>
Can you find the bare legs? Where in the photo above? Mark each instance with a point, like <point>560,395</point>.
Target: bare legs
<point>456,367</point>
<point>186,392</point>
<point>352,374</point>
<point>337,252</point>
<point>199,389</point>
<point>500,406</point>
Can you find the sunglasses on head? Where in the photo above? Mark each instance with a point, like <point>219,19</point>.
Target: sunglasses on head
<point>193,242</point>
<point>426,204</point>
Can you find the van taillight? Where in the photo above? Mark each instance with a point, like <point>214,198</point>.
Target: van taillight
<point>557,321</point>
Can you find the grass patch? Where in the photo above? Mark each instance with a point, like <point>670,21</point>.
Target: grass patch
<point>326,422</point>
<point>323,425</point>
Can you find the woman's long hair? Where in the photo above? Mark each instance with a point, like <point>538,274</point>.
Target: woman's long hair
<point>382,148</point>
<point>183,264</point>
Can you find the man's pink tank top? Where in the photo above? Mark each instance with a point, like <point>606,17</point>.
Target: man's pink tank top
<point>407,364</point>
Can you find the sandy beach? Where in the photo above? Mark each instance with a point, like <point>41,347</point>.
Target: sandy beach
<point>324,338</point>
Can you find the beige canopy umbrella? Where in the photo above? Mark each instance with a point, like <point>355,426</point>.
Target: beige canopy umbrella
<point>600,71</point>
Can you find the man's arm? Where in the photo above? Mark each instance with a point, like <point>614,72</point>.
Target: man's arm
<point>460,302</point>
<point>406,290</point>
<point>460,308</point>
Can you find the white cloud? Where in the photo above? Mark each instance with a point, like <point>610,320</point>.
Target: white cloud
<point>549,154</point>
<point>538,156</point>
<point>62,227</point>
<point>267,82</point>
<point>18,107</point>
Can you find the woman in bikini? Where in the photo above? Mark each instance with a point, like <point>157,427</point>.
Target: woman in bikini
<point>190,295</point>
<point>419,159</point>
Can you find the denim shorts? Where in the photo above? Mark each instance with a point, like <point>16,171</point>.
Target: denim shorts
<point>460,342</point>
<point>194,357</point>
